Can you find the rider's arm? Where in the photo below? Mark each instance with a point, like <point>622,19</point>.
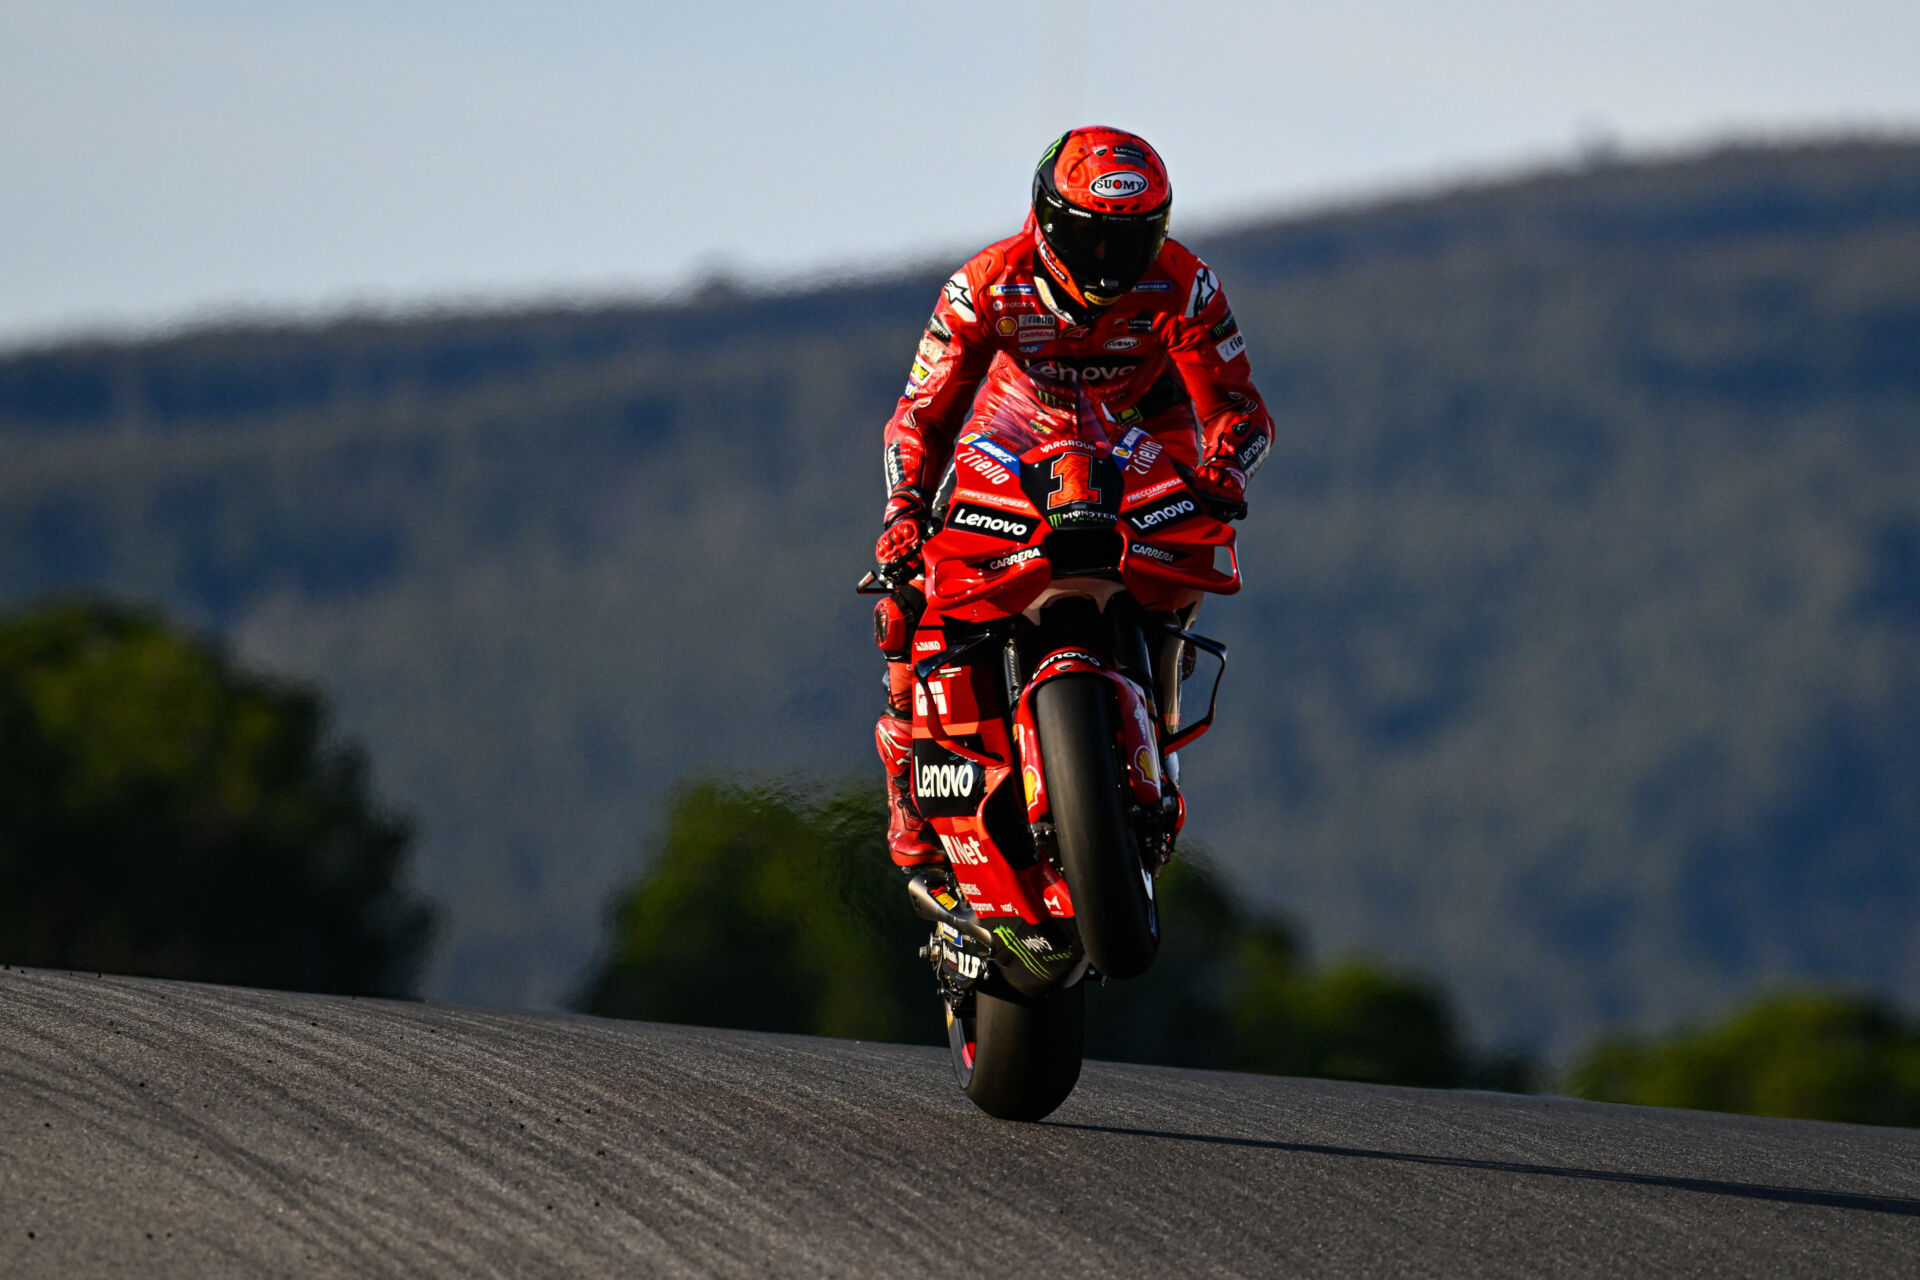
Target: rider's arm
<point>1211,354</point>
<point>952,358</point>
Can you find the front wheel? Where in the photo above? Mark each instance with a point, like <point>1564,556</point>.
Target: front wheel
<point>1112,893</point>
<point>1018,1056</point>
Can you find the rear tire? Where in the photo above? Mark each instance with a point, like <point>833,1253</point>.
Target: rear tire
<point>1112,897</point>
<point>1018,1057</point>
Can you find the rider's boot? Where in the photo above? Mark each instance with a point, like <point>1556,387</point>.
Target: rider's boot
<point>909,838</point>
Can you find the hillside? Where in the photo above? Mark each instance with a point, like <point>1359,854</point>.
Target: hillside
<point>1580,664</point>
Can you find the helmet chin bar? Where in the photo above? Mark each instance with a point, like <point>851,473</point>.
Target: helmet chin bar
<point>1070,311</point>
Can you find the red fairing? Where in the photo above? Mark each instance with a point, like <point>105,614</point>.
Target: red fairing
<point>1168,357</point>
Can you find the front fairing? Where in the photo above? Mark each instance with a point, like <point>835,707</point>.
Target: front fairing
<point>1051,489</point>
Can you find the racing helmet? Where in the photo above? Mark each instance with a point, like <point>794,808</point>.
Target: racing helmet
<point>1100,204</point>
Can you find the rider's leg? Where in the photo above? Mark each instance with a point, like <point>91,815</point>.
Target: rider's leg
<point>909,840</point>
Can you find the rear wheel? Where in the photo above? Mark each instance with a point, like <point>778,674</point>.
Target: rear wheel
<point>1017,1056</point>
<point>1112,893</point>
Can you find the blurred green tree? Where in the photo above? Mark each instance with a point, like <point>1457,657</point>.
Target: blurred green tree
<point>1810,1055</point>
<point>163,812</point>
<point>767,907</point>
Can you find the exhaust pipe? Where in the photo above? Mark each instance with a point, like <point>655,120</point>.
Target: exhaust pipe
<point>968,924</point>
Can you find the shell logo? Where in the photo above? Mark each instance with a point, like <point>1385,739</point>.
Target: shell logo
<point>1149,767</point>
<point>1030,780</point>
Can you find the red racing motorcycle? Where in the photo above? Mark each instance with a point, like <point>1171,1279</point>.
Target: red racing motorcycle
<point>1068,562</point>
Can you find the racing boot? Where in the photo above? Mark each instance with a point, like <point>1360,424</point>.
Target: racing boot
<point>909,840</point>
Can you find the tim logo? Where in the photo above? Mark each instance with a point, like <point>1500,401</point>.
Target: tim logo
<point>966,852</point>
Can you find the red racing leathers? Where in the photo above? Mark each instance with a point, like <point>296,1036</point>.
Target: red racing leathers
<point>1169,357</point>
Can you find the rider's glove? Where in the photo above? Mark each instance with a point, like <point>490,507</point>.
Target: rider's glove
<point>1222,485</point>
<point>906,528</point>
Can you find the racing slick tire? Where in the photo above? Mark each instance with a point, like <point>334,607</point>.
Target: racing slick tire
<point>1018,1056</point>
<point>1112,892</point>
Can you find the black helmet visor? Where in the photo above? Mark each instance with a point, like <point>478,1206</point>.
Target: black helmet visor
<point>1107,253</point>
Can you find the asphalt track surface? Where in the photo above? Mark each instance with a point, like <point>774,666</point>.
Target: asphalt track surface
<point>159,1129</point>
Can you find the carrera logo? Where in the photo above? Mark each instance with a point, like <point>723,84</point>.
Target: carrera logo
<point>1151,553</point>
<point>1172,511</point>
<point>1118,185</point>
<point>1008,561</point>
<point>997,523</point>
<point>945,781</point>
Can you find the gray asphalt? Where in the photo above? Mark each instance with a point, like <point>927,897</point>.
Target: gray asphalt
<point>154,1128</point>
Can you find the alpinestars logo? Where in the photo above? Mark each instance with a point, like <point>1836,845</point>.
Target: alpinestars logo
<point>1205,285</point>
<point>960,297</point>
<point>940,781</point>
<point>981,520</point>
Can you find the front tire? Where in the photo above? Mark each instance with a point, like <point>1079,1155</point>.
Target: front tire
<point>1017,1056</point>
<point>1112,895</point>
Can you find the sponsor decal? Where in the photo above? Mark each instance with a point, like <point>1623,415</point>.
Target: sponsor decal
<point>965,965</point>
<point>1031,321</point>
<point>993,471</point>
<point>919,373</point>
<point>988,498</point>
<point>1154,286</point>
<point>1226,328</point>
<point>1141,322</point>
<point>986,445</point>
<point>965,852</point>
<point>929,646</point>
<point>999,524</point>
<point>1155,490</point>
<point>1005,325</point>
<point>1121,344</point>
<point>945,781</point>
<point>938,332</point>
<point>1151,553</point>
<point>1232,346</point>
<point>1082,371</point>
<point>959,296</point>
<point>1252,454</point>
<point>1069,655</point>
<point>1028,348</point>
<point>1057,900</point>
<point>1030,781</point>
<point>1011,290</point>
<point>1121,184</point>
<point>1145,456</point>
<point>1149,768</point>
<point>929,352</point>
<point>1161,514</point>
<point>894,465</point>
<point>1076,333</point>
<point>1205,285</point>
<point>1021,556</point>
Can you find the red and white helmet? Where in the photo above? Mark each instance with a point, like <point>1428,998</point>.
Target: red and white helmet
<point>1100,204</point>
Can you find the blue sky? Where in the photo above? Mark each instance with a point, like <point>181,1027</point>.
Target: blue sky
<point>169,161</point>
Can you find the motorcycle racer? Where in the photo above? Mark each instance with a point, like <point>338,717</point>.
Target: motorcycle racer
<point>1090,295</point>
